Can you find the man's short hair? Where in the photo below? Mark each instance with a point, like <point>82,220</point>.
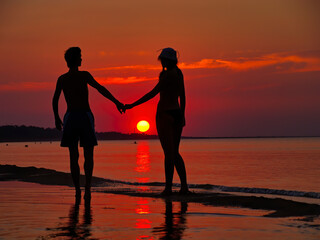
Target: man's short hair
<point>72,55</point>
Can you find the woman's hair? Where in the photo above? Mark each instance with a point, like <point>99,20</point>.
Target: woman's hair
<point>169,55</point>
<point>72,56</point>
<point>170,62</point>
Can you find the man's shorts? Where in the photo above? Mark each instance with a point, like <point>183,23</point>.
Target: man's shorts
<point>78,126</point>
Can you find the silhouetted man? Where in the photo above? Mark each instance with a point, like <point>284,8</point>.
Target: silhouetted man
<point>78,122</point>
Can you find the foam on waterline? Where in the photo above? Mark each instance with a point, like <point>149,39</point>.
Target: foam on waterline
<point>53,177</point>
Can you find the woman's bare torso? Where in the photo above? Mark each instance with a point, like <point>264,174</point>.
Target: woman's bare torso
<point>172,86</point>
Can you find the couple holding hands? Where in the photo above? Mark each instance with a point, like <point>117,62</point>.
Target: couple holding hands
<point>78,122</point>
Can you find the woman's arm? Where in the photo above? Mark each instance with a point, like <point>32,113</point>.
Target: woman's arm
<point>161,84</point>
<point>146,97</point>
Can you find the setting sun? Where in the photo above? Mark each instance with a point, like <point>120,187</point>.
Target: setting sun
<point>143,126</point>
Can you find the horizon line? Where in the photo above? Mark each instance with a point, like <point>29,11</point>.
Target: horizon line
<point>185,137</point>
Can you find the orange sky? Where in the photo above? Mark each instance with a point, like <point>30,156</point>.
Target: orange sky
<point>251,67</point>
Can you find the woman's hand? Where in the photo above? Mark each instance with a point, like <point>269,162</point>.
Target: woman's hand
<point>128,106</point>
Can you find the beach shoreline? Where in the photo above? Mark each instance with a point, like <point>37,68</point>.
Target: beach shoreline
<point>279,207</point>
<point>36,211</point>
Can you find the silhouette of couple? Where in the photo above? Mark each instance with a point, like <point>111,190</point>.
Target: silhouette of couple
<point>78,122</point>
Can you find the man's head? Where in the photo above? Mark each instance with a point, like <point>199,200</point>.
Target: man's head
<point>73,57</point>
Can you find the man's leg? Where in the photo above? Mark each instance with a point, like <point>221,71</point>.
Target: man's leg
<point>74,167</point>
<point>88,169</point>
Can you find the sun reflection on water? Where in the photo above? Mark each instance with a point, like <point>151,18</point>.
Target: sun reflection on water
<point>143,157</point>
<point>142,164</point>
<point>141,169</point>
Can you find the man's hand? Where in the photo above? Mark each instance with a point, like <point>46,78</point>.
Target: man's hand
<point>120,107</point>
<point>58,123</point>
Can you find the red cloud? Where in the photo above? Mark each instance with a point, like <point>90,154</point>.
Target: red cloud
<point>142,67</point>
<point>280,63</point>
<point>122,80</point>
<point>294,63</point>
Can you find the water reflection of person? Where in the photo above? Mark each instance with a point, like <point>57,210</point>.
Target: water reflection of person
<point>76,230</point>
<point>170,117</point>
<point>73,229</point>
<point>175,223</point>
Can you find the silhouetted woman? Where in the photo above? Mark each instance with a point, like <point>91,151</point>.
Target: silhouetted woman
<point>170,117</point>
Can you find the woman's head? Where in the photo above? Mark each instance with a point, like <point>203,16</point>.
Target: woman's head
<point>73,57</point>
<point>168,57</point>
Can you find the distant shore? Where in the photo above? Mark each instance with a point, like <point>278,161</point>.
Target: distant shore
<point>14,133</point>
<point>37,134</point>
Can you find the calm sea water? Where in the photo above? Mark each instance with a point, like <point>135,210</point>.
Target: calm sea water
<point>274,163</point>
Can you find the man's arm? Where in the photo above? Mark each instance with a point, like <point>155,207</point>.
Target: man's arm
<point>104,92</point>
<point>55,102</point>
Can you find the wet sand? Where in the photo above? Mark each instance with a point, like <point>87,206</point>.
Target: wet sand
<point>278,207</point>
<point>34,211</point>
<point>31,210</point>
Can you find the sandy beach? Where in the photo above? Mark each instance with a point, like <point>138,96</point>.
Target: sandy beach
<point>32,210</point>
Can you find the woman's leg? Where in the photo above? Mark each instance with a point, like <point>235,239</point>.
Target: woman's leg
<point>178,162</point>
<point>165,134</point>
<point>74,167</point>
<point>168,160</point>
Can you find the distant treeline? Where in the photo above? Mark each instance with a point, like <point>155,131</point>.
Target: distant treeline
<point>37,134</point>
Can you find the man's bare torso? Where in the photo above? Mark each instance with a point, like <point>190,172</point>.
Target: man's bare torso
<point>75,88</point>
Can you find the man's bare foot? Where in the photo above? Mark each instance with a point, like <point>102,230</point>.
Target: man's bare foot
<point>166,192</point>
<point>185,192</point>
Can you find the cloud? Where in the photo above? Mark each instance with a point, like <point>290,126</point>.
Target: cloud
<point>276,63</point>
<point>287,63</point>
<point>27,86</point>
<point>38,86</point>
<point>132,67</point>
<point>122,80</point>
<point>281,62</point>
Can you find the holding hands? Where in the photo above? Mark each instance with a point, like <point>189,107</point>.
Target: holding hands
<point>122,108</point>
<point>128,106</point>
